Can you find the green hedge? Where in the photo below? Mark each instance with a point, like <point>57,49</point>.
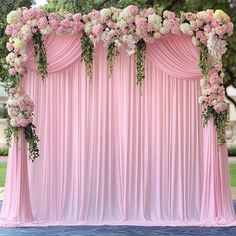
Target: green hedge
<point>4,151</point>
<point>232,151</point>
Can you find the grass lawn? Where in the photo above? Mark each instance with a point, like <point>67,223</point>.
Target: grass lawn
<point>232,169</point>
<point>2,173</point>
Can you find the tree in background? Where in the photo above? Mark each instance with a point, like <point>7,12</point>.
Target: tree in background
<point>5,8</point>
<point>229,6</point>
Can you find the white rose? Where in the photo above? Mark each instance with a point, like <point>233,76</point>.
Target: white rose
<point>10,57</point>
<point>17,62</point>
<point>206,91</point>
<point>19,44</point>
<point>88,27</point>
<point>32,22</point>
<point>46,30</point>
<point>157,26</point>
<point>14,16</point>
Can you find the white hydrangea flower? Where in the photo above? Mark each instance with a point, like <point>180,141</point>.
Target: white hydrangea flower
<point>122,24</point>
<point>195,41</point>
<point>14,16</point>
<point>201,15</point>
<point>185,28</point>
<point>216,47</point>
<point>106,12</point>
<point>154,19</point>
<point>88,27</point>
<point>46,30</point>
<point>164,30</point>
<point>193,25</point>
<point>201,99</point>
<point>157,35</point>
<point>202,82</point>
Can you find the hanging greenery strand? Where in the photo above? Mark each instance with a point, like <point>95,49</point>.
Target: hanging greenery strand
<point>140,61</point>
<point>87,54</point>
<point>112,53</point>
<point>40,54</point>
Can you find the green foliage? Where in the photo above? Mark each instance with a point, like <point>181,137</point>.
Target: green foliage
<point>112,53</point>
<point>40,54</point>
<point>232,172</point>
<point>3,168</point>
<point>203,64</point>
<point>220,122</point>
<point>32,139</point>
<point>232,151</point>
<point>4,151</point>
<point>87,54</point>
<point>140,61</point>
<point>3,112</point>
<point>10,132</point>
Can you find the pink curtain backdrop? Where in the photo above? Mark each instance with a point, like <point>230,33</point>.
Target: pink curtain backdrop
<point>109,155</point>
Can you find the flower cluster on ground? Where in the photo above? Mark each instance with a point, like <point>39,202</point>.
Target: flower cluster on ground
<point>133,27</point>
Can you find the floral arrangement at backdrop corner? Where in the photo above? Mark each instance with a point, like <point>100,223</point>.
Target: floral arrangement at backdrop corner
<point>131,26</point>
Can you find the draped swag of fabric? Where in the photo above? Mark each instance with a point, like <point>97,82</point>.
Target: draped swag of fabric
<point>109,155</point>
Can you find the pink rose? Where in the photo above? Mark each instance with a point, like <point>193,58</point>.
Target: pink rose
<point>53,23</point>
<point>94,14</point>
<point>229,27</point>
<point>8,30</point>
<point>220,31</point>
<point>39,12</point>
<point>141,23</point>
<point>111,24</point>
<point>12,91</point>
<point>21,71</point>
<point>207,29</point>
<point>78,26</point>
<point>65,23</point>
<point>12,71</point>
<point>190,16</point>
<point>9,46</point>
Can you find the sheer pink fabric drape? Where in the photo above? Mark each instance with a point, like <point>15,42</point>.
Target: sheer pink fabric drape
<point>110,155</point>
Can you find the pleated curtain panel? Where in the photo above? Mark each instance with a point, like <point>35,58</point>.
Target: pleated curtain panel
<point>114,153</point>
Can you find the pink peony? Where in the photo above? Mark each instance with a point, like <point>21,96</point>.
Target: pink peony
<point>94,15</point>
<point>229,27</point>
<point>9,46</point>
<point>97,29</point>
<point>53,23</point>
<point>207,29</point>
<point>42,22</point>
<point>220,31</point>
<point>141,23</point>
<point>12,71</point>
<point>65,23</point>
<point>111,24</point>
<point>39,12</point>
<point>190,16</point>
<point>8,30</point>
<point>132,9</point>
<point>28,14</point>
<point>169,14</point>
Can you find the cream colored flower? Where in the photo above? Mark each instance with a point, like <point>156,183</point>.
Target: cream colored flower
<point>219,14</point>
<point>195,41</point>
<point>19,44</point>
<point>14,16</point>
<point>157,35</point>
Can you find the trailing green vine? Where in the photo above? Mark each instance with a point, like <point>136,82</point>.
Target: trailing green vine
<point>40,54</point>
<point>203,63</point>
<point>112,53</point>
<point>87,54</point>
<point>10,131</point>
<point>32,139</point>
<point>140,61</point>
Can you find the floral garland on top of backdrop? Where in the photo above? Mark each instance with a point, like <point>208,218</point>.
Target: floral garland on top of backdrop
<point>133,27</point>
